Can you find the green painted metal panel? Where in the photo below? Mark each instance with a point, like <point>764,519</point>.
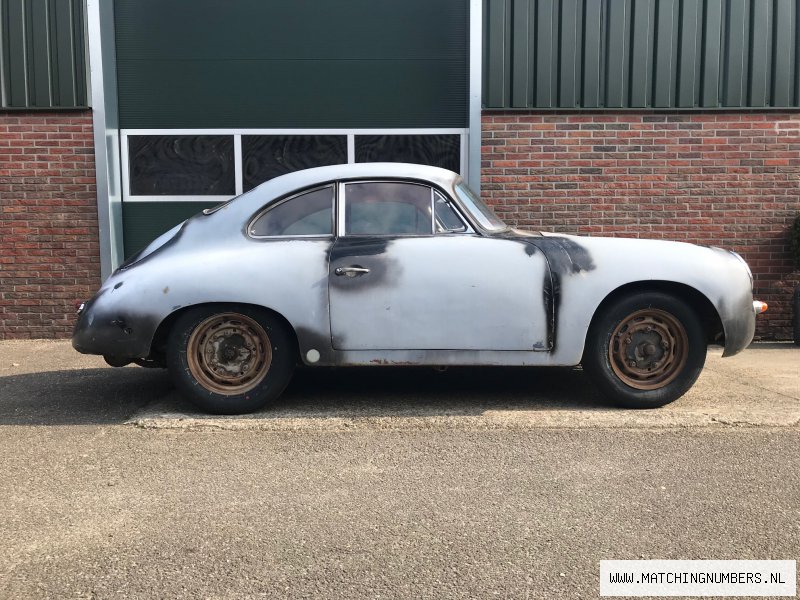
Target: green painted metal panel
<point>784,51</point>
<point>735,53</point>
<point>710,72</point>
<point>14,54</point>
<point>497,20</point>
<point>672,54</point>
<point>298,63</point>
<point>521,19</point>
<point>760,55</point>
<point>546,53</point>
<point>592,53</point>
<point>570,65</point>
<point>618,27</point>
<point>689,54</point>
<point>642,53</point>
<point>665,53</point>
<point>142,222</point>
<point>43,54</point>
<point>37,34</point>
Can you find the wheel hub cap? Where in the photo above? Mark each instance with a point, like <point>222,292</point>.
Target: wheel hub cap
<point>648,349</point>
<point>229,353</point>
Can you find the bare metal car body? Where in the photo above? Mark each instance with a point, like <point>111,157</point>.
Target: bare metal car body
<point>483,296</point>
<point>230,306</point>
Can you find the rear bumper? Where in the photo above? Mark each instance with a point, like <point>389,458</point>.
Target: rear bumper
<point>110,334</point>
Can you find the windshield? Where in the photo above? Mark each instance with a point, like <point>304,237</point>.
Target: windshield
<point>481,213</point>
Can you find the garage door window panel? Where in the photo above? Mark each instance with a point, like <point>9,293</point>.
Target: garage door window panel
<point>181,165</point>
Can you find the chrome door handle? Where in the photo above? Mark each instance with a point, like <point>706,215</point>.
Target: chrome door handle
<point>350,271</point>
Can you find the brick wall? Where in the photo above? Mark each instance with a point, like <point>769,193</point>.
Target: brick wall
<point>49,253</point>
<point>726,179</point>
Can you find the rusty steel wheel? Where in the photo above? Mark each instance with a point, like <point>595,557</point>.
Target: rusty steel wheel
<point>648,349</point>
<point>230,359</point>
<point>645,350</point>
<point>229,353</point>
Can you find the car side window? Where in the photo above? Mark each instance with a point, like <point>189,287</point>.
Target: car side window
<point>307,214</point>
<point>446,217</point>
<point>388,208</point>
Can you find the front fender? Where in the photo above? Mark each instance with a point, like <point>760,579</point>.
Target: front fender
<point>721,276</point>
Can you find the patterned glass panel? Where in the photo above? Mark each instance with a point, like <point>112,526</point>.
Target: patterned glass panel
<point>268,156</point>
<point>436,150</point>
<point>181,165</point>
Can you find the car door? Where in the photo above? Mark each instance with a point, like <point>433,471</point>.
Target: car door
<point>408,273</point>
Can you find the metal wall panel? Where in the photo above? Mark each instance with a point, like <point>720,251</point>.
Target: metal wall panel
<point>43,54</point>
<point>290,63</point>
<point>686,54</point>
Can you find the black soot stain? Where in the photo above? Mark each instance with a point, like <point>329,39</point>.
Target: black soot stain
<point>565,257</point>
<point>370,253</point>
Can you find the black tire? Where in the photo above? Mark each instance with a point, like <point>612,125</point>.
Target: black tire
<point>645,351</point>
<point>230,360</point>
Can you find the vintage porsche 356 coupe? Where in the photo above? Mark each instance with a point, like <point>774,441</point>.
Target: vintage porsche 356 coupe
<point>399,264</point>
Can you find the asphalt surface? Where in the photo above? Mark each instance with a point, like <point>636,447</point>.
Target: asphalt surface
<point>390,483</point>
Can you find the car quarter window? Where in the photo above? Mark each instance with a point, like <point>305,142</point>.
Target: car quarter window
<point>306,214</point>
<point>447,219</point>
<point>388,208</point>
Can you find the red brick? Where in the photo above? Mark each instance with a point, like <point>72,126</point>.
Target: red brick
<point>44,266</point>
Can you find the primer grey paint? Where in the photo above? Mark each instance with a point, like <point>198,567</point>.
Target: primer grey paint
<point>443,288</point>
<point>429,297</point>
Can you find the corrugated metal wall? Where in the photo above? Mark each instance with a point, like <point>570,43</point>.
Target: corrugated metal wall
<point>566,54</point>
<point>43,54</point>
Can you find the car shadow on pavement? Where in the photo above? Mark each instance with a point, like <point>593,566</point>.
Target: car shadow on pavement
<point>113,396</point>
<point>79,396</point>
<point>415,391</point>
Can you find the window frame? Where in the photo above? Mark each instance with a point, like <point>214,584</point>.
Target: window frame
<point>466,227</point>
<point>341,204</point>
<point>293,195</point>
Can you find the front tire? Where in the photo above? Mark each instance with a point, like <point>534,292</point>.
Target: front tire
<point>645,351</point>
<point>230,360</point>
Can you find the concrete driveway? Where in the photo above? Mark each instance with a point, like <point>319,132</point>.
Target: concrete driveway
<point>384,483</point>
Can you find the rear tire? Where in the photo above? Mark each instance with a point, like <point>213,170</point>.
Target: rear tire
<point>230,360</point>
<point>645,351</point>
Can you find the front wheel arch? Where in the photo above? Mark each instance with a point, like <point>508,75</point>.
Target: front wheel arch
<point>699,302</point>
<point>645,349</point>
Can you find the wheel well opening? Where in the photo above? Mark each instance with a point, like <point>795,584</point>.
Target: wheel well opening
<point>159,346</point>
<point>697,301</point>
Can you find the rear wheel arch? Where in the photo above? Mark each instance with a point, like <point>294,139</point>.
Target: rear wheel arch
<point>162,333</point>
<point>230,358</point>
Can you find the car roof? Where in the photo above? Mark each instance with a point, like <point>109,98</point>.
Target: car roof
<point>318,175</point>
